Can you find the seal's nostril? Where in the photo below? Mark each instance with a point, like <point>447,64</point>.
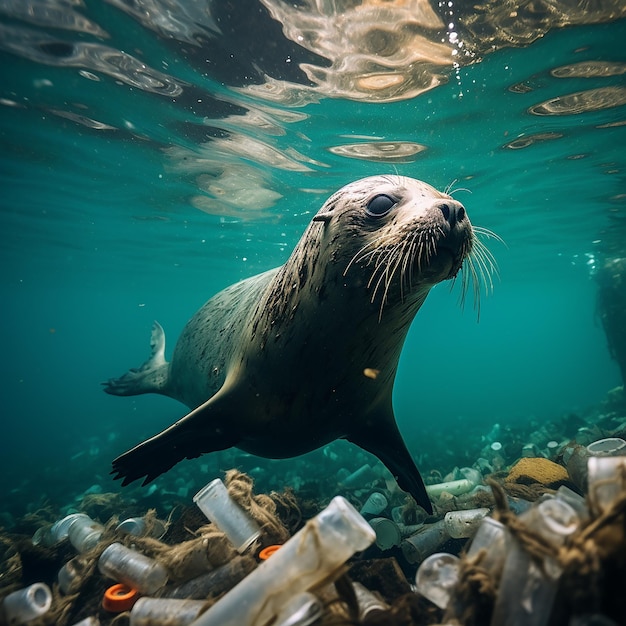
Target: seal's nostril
<point>452,212</point>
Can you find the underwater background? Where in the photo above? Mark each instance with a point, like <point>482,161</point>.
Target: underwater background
<point>153,153</point>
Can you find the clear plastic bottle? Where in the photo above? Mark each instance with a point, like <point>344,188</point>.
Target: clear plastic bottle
<point>310,556</point>
<point>215,502</point>
<point>132,568</point>
<point>26,604</point>
<point>453,487</point>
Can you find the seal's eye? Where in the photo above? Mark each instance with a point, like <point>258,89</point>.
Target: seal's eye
<point>380,205</point>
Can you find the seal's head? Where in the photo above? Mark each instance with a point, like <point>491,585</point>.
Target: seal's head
<point>403,234</point>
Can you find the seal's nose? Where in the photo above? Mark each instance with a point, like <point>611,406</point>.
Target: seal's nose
<point>453,212</point>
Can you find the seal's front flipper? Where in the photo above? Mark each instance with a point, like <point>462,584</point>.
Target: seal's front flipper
<point>151,377</point>
<point>188,438</point>
<point>385,442</point>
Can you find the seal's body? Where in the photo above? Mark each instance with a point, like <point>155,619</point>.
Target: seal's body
<point>289,360</point>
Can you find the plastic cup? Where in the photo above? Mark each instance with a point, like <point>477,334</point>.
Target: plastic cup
<point>132,526</point>
<point>60,528</point>
<point>387,532</point>
<point>84,533</point>
<point>611,446</point>
<point>71,575</point>
<point>558,520</point>
<point>215,502</point>
<point>374,505</point>
<point>526,594</point>
<point>137,526</point>
<point>491,536</point>
<point>576,501</point>
<point>132,568</point>
<point>436,578</point>
<point>27,604</point>
<point>606,480</point>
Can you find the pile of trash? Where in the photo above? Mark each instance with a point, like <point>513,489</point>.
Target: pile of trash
<point>527,548</point>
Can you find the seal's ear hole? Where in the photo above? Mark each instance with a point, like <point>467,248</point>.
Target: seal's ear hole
<point>380,205</point>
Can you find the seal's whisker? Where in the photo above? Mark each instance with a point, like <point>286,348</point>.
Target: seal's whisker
<point>485,258</point>
<point>449,190</point>
<point>381,262</point>
<point>387,271</point>
<point>482,231</point>
<point>389,277</point>
<point>407,264</point>
<point>359,255</point>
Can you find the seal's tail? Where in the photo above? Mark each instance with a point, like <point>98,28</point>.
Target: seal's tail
<point>151,377</point>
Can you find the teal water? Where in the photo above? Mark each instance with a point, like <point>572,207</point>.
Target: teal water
<point>120,205</point>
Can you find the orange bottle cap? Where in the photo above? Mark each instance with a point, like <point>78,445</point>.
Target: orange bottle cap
<point>119,598</point>
<point>266,553</point>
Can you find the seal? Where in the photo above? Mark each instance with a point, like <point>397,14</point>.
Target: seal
<point>289,360</point>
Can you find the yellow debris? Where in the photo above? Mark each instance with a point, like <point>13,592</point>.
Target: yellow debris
<point>538,470</point>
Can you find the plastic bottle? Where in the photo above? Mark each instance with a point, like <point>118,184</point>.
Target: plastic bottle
<point>26,604</point>
<point>310,556</point>
<point>165,612</point>
<point>132,568</point>
<point>215,502</point>
<point>453,487</point>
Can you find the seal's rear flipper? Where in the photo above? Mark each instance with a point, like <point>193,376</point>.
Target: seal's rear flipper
<point>151,377</point>
<point>387,444</point>
<point>188,438</point>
